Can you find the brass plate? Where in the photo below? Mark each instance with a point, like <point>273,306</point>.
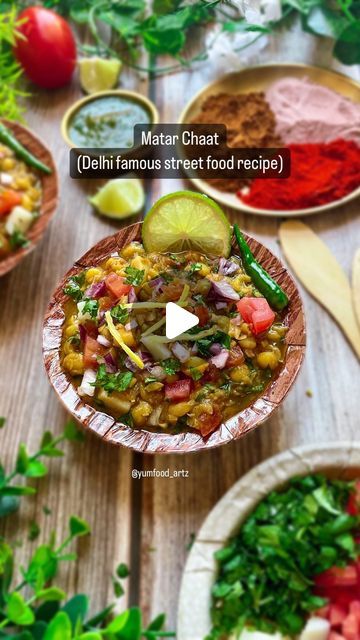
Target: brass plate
<point>259,78</point>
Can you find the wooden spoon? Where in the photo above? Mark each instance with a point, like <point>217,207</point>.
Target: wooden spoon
<point>321,275</point>
<point>356,285</point>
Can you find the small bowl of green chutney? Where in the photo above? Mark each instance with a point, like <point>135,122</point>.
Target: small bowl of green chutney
<point>107,119</point>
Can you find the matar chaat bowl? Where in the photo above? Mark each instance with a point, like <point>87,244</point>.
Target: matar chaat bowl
<point>111,364</point>
<point>28,196</point>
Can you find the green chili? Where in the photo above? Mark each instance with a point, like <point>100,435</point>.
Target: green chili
<point>273,293</point>
<point>6,137</point>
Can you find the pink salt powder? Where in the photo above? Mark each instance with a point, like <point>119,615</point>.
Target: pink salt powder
<point>309,112</point>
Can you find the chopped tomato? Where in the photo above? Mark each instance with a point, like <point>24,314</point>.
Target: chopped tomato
<point>236,357</point>
<point>92,349</point>
<point>202,313</point>
<point>177,391</point>
<point>351,627</point>
<point>323,612</point>
<point>116,286</point>
<point>106,303</point>
<point>257,313</point>
<point>355,608</point>
<point>91,329</point>
<point>209,422</point>
<point>338,577</point>
<point>8,200</point>
<point>335,636</point>
<point>353,506</point>
<point>337,615</point>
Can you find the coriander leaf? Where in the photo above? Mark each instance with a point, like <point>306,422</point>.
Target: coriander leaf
<point>91,307</point>
<point>196,374</point>
<point>18,240</point>
<point>127,419</point>
<point>195,266</point>
<point>111,382</point>
<point>204,344</point>
<point>347,47</point>
<point>134,276</point>
<point>120,313</point>
<point>2,422</point>
<point>73,287</point>
<point>171,366</point>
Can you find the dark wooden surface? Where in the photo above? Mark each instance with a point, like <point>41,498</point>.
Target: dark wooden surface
<point>149,522</point>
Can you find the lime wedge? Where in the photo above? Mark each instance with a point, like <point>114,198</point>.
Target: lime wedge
<point>187,220</point>
<point>119,198</point>
<point>97,74</point>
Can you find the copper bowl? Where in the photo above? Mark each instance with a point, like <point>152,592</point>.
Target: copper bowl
<point>145,441</point>
<point>49,185</point>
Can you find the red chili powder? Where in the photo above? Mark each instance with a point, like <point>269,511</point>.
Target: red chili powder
<point>320,173</point>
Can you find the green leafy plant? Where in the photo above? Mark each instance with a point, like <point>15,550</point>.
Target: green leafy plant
<point>37,609</point>
<point>164,32</point>
<point>30,466</point>
<point>10,71</point>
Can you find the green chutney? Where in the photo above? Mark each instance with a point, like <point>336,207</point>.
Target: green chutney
<point>107,122</point>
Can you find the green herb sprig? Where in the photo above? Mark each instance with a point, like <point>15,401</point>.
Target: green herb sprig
<point>35,607</point>
<point>31,466</point>
<point>111,382</point>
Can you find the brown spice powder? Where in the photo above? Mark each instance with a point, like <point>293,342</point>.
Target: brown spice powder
<point>250,123</point>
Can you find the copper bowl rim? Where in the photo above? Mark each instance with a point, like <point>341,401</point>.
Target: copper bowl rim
<point>141,440</point>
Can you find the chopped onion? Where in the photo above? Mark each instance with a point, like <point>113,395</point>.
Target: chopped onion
<point>236,320</point>
<point>104,341</point>
<point>220,359</point>
<point>5,179</point>
<point>86,388</point>
<point>132,295</point>
<point>129,364</point>
<point>111,366</point>
<point>145,357</point>
<point>227,267</point>
<point>154,418</point>
<point>96,290</point>
<point>180,352</point>
<point>157,283</point>
<point>131,325</point>
<point>194,349</point>
<point>157,372</point>
<point>224,291</point>
<point>215,348</point>
<point>220,305</point>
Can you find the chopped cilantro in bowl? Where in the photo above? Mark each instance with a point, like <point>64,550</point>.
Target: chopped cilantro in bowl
<point>267,573</point>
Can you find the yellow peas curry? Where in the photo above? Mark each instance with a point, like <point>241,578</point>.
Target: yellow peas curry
<point>115,348</point>
<point>20,197</point>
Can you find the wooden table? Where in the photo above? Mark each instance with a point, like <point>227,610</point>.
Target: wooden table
<point>149,523</point>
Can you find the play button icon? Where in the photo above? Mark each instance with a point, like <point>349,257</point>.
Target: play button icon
<point>178,320</point>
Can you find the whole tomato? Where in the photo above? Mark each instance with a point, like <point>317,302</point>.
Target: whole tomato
<point>47,52</point>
